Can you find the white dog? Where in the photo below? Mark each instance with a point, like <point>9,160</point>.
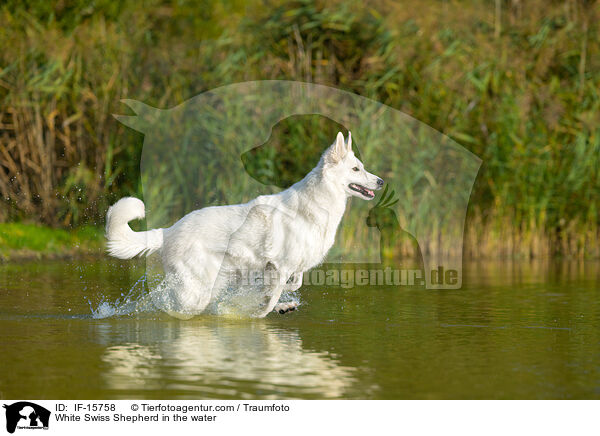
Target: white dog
<point>280,235</point>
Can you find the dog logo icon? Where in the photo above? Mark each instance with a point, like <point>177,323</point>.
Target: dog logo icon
<point>26,415</point>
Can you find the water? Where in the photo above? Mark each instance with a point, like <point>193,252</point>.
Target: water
<point>514,331</point>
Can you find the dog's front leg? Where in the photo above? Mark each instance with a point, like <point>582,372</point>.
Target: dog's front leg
<point>270,301</point>
<point>273,286</point>
<point>294,282</point>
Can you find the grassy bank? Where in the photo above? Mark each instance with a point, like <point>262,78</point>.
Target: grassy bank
<point>19,241</point>
<point>515,82</point>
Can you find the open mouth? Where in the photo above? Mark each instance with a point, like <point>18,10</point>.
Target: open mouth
<point>361,190</point>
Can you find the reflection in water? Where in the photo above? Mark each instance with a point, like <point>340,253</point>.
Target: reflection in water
<point>516,330</point>
<point>227,359</point>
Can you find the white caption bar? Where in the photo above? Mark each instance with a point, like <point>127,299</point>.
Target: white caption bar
<point>300,417</point>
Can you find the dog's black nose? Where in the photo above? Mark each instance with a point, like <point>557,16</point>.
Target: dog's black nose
<point>380,182</point>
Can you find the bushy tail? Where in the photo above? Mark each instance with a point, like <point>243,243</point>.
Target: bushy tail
<point>123,242</point>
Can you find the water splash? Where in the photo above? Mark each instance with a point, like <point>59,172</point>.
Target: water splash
<point>135,301</point>
<point>163,296</point>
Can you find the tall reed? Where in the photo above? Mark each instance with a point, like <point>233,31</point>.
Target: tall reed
<point>514,82</point>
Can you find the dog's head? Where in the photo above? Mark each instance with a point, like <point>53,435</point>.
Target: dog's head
<point>345,170</point>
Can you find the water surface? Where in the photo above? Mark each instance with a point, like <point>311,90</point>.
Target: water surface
<point>514,331</point>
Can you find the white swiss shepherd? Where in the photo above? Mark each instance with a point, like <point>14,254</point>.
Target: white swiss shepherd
<point>279,235</point>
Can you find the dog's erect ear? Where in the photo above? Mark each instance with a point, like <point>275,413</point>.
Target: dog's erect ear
<point>349,145</point>
<point>340,145</point>
<point>338,150</point>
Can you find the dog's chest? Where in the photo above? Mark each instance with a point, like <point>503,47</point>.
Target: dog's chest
<point>307,242</point>
<point>307,248</point>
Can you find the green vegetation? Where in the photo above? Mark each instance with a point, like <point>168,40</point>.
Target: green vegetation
<point>517,84</point>
<point>25,241</point>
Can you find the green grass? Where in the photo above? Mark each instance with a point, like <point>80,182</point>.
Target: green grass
<point>20,241</point>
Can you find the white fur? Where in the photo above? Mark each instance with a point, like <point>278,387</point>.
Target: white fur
<point>123,242</point>
<point>285,233</point>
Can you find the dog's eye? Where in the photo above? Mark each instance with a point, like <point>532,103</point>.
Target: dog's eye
<point>355,169</point>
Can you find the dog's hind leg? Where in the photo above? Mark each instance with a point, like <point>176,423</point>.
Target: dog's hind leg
<point>185,296</point>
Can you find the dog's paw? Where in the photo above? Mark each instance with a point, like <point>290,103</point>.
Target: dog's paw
<point>285,307</point>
